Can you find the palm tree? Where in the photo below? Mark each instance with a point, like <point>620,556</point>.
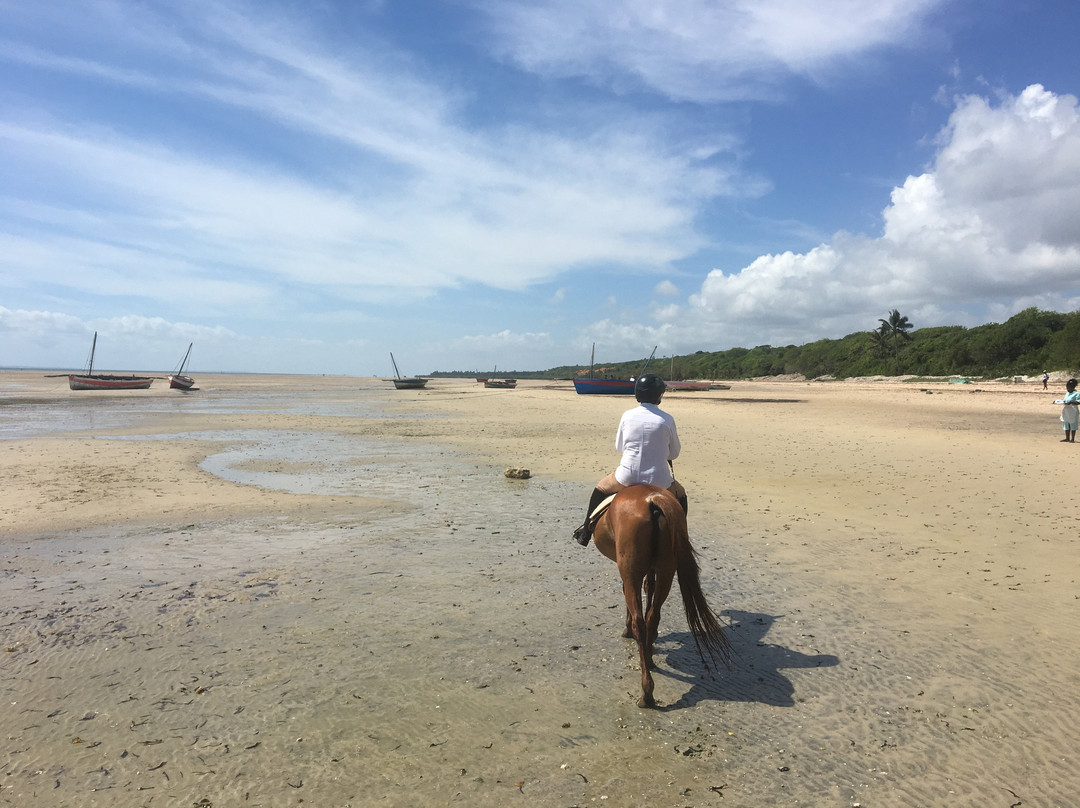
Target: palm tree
<point>880,340</point>
<point>896,329</point>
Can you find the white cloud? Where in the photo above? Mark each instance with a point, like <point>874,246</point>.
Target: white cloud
<point>666,289</point>
<point>45,339</point>
<point>993,221</point>
<point>702,50</point>
<point>409,198</point>
<point>504,339</point>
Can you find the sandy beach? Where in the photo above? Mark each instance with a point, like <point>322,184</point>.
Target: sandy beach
<point>284,591</point>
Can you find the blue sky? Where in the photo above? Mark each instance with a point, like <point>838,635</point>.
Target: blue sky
<point>305,187</point>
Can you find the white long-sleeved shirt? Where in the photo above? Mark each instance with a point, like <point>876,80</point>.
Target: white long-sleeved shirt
<point>648,440</point>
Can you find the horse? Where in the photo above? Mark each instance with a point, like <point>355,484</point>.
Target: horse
<point>643,530</point>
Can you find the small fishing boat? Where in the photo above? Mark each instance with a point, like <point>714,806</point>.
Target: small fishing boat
<point>611,387</point>
<point>406,383</point>
<point>690,387</point>
<point>494,381</point>
<point>178,381</point>
<point>596,385</point>
<point>105,381</point>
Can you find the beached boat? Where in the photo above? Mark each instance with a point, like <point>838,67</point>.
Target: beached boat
<point>611,387</point>
<point>403,383</point>
<point>178,381</point>
<point>105,381</point>
<point>689,386</point>
<point>494,381</point>
<point>592,384</point>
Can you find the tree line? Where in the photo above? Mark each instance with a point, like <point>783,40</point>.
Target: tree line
<point>1025,345</point>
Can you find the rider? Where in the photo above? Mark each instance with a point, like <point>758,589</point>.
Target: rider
<point>649,442</point>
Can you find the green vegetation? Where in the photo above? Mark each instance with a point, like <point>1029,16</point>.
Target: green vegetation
<point>1025,345</point>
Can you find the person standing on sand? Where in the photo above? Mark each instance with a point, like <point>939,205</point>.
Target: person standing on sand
<point>1070,413</point>
<point>1046,379</point>
<point>649,442</point>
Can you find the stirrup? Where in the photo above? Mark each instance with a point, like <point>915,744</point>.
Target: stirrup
<point>582,536</point>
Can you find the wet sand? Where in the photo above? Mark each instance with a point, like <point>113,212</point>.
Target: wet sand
<point>314,591</point>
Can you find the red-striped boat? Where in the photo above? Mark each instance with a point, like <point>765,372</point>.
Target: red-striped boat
<point>104,381</point>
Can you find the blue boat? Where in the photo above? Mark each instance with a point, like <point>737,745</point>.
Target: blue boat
<point>610,387</point>
<point>593,385</point>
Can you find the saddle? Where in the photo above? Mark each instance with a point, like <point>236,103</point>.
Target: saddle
<point>597,512</point>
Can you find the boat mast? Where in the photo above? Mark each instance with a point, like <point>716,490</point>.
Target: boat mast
<point>398,375</point>
<point>93,347</point>
<point>184,360</point>
<point>647,361</point>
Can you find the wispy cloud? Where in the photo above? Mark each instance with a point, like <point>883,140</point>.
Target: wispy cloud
<point>698,50</point>
<point>410,196</point>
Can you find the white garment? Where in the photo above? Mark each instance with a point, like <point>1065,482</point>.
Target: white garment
<point>648,440</point>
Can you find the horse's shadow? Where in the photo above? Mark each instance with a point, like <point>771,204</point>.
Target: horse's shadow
<point>754,675</point>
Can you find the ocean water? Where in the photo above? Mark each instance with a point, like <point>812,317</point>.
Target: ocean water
<point>296,461</point>
<point>24,416</point>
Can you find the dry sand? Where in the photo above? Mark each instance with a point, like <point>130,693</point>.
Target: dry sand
<point>898,563</point>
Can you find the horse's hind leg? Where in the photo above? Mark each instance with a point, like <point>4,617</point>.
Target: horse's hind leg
<point>628,632</point>
<point>661,588</point>
<point>632,593</point>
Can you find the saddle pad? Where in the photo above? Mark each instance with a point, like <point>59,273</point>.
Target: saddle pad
<point>598,511</point>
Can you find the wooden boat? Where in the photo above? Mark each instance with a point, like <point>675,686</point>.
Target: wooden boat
<point>402,383</point>
<point>178,381</point>
<point>690,387</point>
<point>104,381</point>
<point>594,385</point>
<point>493,381</point>
<point>611,387</point>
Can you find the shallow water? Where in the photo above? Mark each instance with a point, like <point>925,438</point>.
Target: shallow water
<point>292,461</point>
<point>299,462</point>
<point>23,417</point>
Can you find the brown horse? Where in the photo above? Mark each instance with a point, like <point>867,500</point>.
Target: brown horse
<point>644,532</point>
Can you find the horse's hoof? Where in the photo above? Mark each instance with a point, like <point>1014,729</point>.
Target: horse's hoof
<point>646,702</point>
<point>628,634</point>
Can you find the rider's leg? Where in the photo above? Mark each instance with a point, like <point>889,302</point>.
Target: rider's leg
<point>680,494</point>
<point>605,488</point>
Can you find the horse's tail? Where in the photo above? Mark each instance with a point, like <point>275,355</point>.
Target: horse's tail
<point>704,625</point>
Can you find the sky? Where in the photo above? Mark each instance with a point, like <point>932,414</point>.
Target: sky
<point>306,187</point>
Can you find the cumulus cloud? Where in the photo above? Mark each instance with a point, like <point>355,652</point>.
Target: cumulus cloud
<point>700,50</point>
<point>666,289</point>
<point>37,338</point>
<point>993,220</point>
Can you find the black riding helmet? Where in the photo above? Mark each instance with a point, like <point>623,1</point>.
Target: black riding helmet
<point>649,388</point>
